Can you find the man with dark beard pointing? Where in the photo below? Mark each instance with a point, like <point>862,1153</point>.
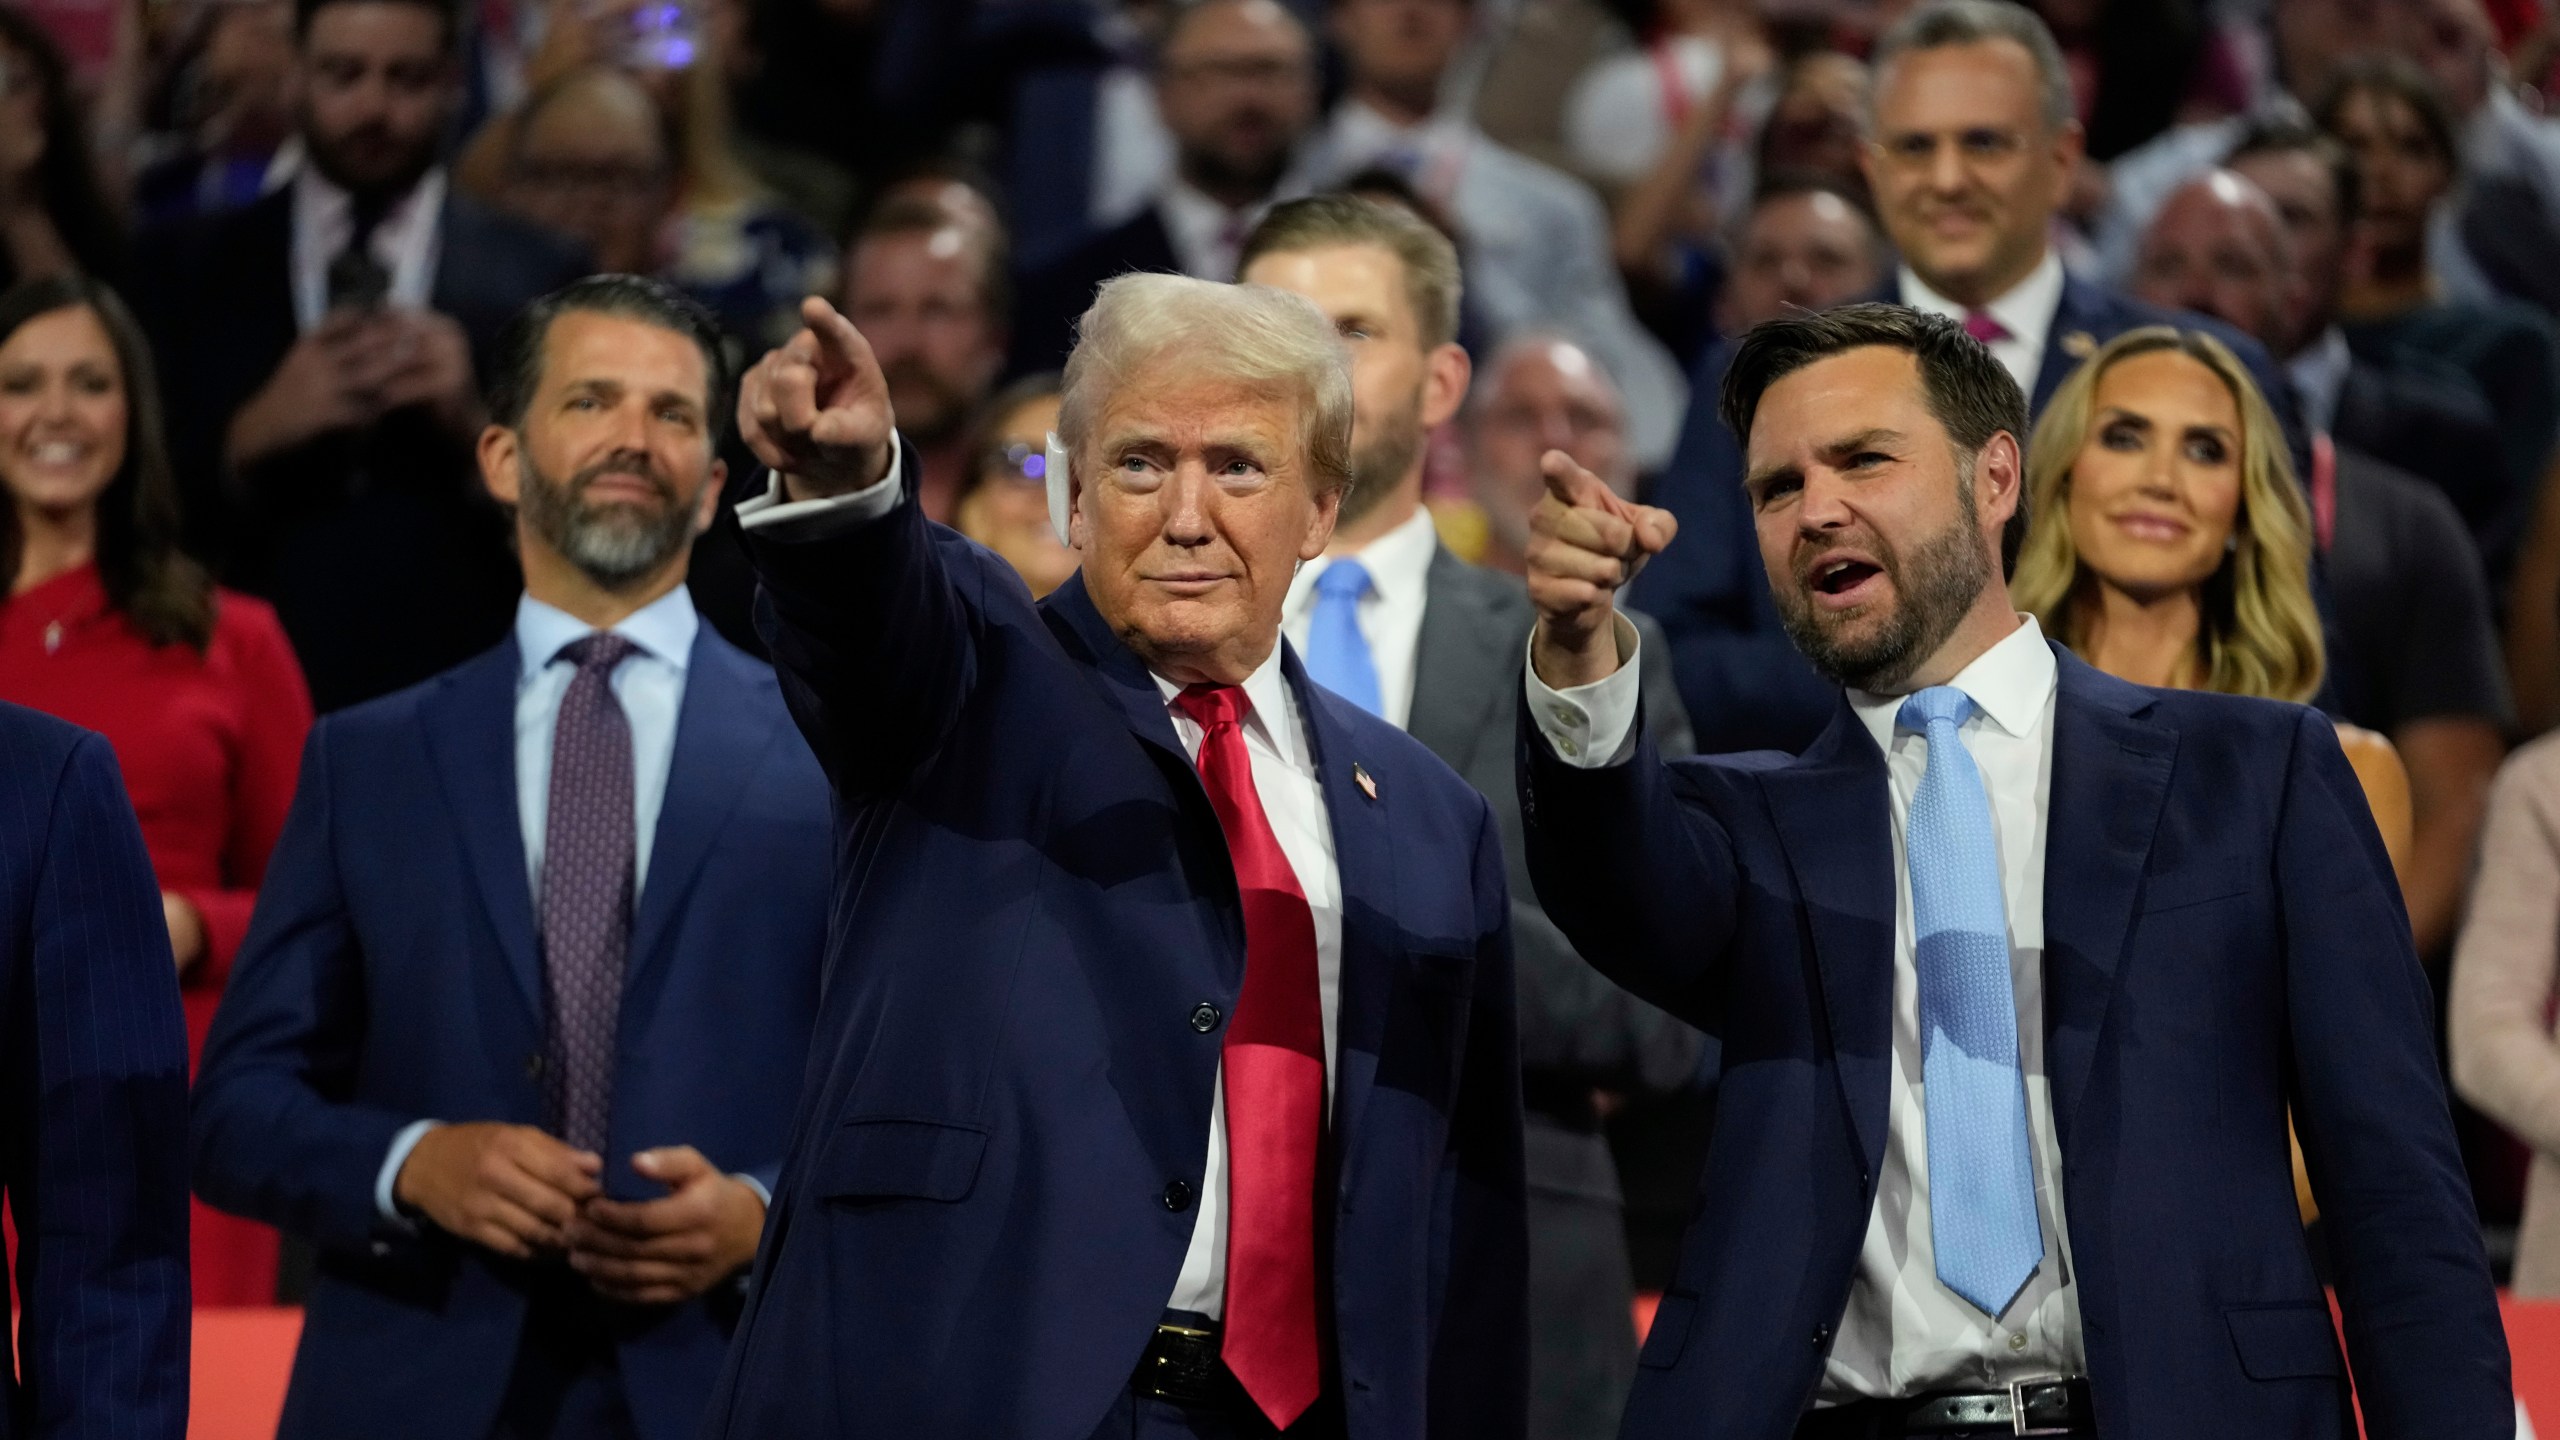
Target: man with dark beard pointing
<point>2020,971</point>
<point>518,1026</point>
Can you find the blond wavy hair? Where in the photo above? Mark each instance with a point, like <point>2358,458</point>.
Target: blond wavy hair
<point>2261,632</point>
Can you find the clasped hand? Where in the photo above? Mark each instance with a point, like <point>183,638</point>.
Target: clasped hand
<point>520,1192</point>
<point>1585,544</point>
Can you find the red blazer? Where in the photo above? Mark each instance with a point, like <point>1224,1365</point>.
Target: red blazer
<point>209,745</point>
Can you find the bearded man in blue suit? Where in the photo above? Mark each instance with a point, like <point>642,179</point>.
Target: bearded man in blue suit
<point>2020,972</point>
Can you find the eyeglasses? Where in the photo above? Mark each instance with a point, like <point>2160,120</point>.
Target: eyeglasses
<point>1019,463</point>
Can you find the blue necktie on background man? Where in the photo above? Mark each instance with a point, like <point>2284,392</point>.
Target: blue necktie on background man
<point>1338,655</point>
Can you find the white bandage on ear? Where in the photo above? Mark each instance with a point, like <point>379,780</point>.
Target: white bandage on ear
<point>1056,475</point>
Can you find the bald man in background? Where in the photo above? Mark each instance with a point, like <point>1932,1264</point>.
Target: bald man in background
<point>1542,392</point>
<point>2417,651</point>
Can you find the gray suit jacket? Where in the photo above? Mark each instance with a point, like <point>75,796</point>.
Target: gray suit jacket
<point>1579,1033</point>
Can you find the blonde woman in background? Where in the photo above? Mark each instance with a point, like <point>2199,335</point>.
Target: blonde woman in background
<point>2170,545</point>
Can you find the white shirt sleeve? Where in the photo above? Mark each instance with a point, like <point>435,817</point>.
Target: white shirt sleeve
<point>384,1202</point>
<point>1592,726</point>
<point>776,518</point>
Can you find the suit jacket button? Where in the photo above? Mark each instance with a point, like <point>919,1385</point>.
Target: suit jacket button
<point>1821,1336</point>
<point>1177,1195</point>
<point>1204,1017</point>
<point>533,1066</point>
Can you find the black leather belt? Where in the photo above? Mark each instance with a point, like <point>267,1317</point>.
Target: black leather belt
<point>2030,1407</point>
<point>2048,1407</point>
<point>1181,1366</point>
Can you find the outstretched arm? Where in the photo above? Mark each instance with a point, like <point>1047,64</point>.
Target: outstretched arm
<point>872,635</point>
<point>1642,885</point>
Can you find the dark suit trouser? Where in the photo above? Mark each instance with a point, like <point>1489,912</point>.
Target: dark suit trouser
<point>567,1383</point>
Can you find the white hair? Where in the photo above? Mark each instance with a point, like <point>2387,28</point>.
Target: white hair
<point>1252,334</point>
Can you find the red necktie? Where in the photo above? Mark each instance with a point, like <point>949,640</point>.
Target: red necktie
<point>1984,326</point>
<point>1274,1058</point>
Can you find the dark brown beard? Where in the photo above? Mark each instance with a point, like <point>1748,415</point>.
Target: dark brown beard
<point>1932,594</point>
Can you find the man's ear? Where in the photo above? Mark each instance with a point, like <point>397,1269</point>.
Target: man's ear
<point>1328,514</point>
<point>1444,384</point>
<point>714,487</point>
<point>499,453</point>
<point>1999,480</point>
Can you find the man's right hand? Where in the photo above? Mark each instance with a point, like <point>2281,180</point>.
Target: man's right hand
<point>1585,543</point>
<point>511,1188</point>
<point>817,409</point>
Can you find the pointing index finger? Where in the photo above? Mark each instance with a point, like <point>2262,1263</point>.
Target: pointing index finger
<point>1575,486</point>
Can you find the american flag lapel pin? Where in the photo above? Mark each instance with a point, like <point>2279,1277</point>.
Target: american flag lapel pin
<point>1361,778</point>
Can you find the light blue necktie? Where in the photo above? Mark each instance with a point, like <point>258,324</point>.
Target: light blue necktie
<point>1337,653</point>
<point>1982,1191</point>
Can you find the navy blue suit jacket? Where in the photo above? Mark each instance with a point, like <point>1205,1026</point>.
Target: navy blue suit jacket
<point>2223,942</point>
<point>1745,685</point>
<point>393,973</point>
<point>93,1099</point>
<point>991,1186</point>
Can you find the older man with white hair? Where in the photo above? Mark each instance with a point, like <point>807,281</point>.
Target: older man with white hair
<point>1166,1084</point>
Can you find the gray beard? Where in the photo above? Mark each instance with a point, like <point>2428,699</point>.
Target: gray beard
<point>1934,591</point>
<point>616,546</point>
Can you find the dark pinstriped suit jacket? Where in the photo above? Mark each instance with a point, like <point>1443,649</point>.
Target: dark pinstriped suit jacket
<point>93,1099</point>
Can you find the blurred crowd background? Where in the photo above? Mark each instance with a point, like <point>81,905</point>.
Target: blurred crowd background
<point>311,223</point>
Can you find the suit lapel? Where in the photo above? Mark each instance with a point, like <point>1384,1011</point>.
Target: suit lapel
<point>2111,771</point>
<point>719,746</point>
<point>1835,818</point>
<point>1118,672</point>
<point>470,725</point>
<point>1462,641</point>
<point>1364,858</point>
<point>2070,339</point>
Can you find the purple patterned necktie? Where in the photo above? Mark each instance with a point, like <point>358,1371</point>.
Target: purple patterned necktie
<point>587,863</point>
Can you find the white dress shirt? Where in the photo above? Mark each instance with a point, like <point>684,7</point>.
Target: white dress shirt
<point>1207,236</point>
<point>1390,615</point>
<point>1284,779</point>
<point>1905,1333</point>
<point>408,242</point>
<point>2319,375</point>
<point>649,685</point>
<point>2026,312</point>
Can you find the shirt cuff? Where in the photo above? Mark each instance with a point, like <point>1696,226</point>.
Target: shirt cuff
<point>1592,726</point>
<point>752,1183</point>
<point>385,1203</point>
<point>775,518</point>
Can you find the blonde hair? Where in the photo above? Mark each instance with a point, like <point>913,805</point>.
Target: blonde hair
<point>2261,632</point>
<point>1252,334</point>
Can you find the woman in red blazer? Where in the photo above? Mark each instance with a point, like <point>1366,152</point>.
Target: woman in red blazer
<point>107,625</point>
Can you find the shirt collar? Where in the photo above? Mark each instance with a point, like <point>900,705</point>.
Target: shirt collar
<point>1398,562</point>
<point>321,202</point>
<point>663,629</point>
<point>1200,224</point>
<point>2318,373</point>
<point>1266,693</point>
<point>2009,683</point>
<point>2026,311</point>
